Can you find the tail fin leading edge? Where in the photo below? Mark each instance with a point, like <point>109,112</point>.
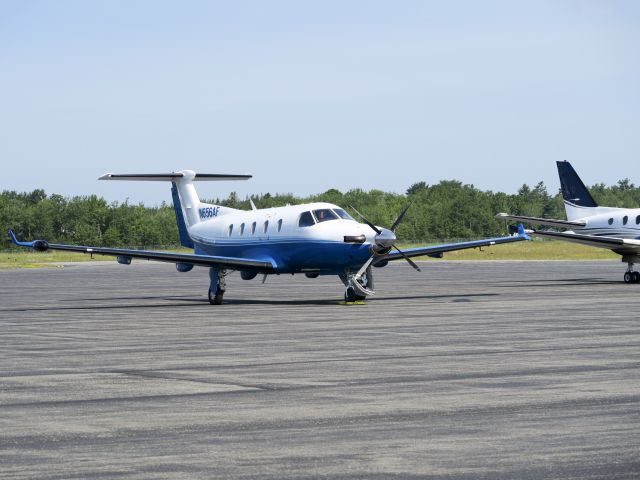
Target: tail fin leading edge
<point>185,239</point>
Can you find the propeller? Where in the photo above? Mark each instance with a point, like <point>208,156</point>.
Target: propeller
<point>385,239</point>
<point>400,218</point>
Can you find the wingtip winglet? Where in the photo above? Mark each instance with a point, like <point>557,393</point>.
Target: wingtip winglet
<point>38,245</point>
<point>12,236</point>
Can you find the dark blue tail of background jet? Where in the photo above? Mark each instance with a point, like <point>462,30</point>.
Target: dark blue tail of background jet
<point>573,190</point>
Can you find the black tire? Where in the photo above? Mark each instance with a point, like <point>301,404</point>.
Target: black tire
<point>635,277</point>
<point>628,277</point>
<point>216,299</point>
<point>350,295</point>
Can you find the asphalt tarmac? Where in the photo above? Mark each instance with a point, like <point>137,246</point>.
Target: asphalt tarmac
<point>467,370</point>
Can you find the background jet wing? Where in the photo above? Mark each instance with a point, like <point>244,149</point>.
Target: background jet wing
<point>438,250</point>
<point>552,222</point>
<point>618,245</point>
<point>170,257</point>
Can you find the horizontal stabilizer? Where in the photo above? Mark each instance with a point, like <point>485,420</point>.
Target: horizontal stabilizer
<point>173,176</point>
<point>552,222</point>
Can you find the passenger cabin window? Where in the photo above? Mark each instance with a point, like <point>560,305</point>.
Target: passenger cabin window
<point>241,229</point>
<point>638,220</point>
<point>279,224</point>
<point>306,220</point>
<point>266,226</point>
<point>230,229</point>
<point>324,214</point>
<point>625,219</point>
<point>342,214</point>
<point>253,228</point>
<point>610,221</point>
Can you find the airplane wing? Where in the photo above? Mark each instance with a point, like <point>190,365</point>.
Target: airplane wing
<point>552,222</point>
<point>437,251</point>
<point>622,246</point>
<point>200,260</point>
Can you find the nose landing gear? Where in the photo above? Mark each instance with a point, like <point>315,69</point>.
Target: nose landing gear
<point>358,287</point>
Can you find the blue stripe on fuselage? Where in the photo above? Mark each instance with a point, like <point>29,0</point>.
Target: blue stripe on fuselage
<point>294,256</point>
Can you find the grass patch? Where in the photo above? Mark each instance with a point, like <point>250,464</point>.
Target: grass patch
<point>534,250</point>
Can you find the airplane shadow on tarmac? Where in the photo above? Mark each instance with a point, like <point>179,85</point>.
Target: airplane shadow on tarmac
<point>180,301</point>
<point>554,282</point>
<point>163,302</point>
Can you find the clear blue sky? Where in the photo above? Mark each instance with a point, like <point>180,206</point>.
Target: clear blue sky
<point>309,96</point>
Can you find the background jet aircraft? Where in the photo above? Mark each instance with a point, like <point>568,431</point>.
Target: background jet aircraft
<point>617,229</point>
<point>313,239</point>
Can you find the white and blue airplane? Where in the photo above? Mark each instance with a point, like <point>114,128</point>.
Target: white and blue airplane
<point>617,229</point>
<point>311,239</point>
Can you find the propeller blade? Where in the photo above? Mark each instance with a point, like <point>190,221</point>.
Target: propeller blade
<point>373,227</point>
<point>400,218</point>
<point>411,262</point>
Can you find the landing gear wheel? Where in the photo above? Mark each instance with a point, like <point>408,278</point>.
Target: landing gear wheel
<point>635,277</point>
<point>217,298</point>
<point>628,277</point>
<point>351,296</point>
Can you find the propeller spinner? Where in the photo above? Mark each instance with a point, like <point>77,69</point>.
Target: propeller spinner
<point>385,239</point>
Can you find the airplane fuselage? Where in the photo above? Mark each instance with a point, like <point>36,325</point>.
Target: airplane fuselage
<point>293,238</point>
<point>612,222</point>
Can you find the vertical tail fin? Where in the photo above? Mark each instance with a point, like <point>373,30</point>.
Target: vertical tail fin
<point>577,199</point>
<point>185,239</point>
<point>189,209</point>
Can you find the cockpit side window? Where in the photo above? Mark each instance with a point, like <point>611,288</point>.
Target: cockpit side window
<point>324,214</point>
<point>306,220</point>
<point>342,214</point>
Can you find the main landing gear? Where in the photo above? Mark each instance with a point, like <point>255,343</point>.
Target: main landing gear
<point>631,276</point>
<point>357,288</point>
<point>217,285</point>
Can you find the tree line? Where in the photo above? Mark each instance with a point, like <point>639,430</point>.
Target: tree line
<point>444,211</point>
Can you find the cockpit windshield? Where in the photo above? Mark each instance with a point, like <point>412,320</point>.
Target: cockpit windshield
<point>306,220</point>
<point>342,214</point>
<point>324,214</point>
